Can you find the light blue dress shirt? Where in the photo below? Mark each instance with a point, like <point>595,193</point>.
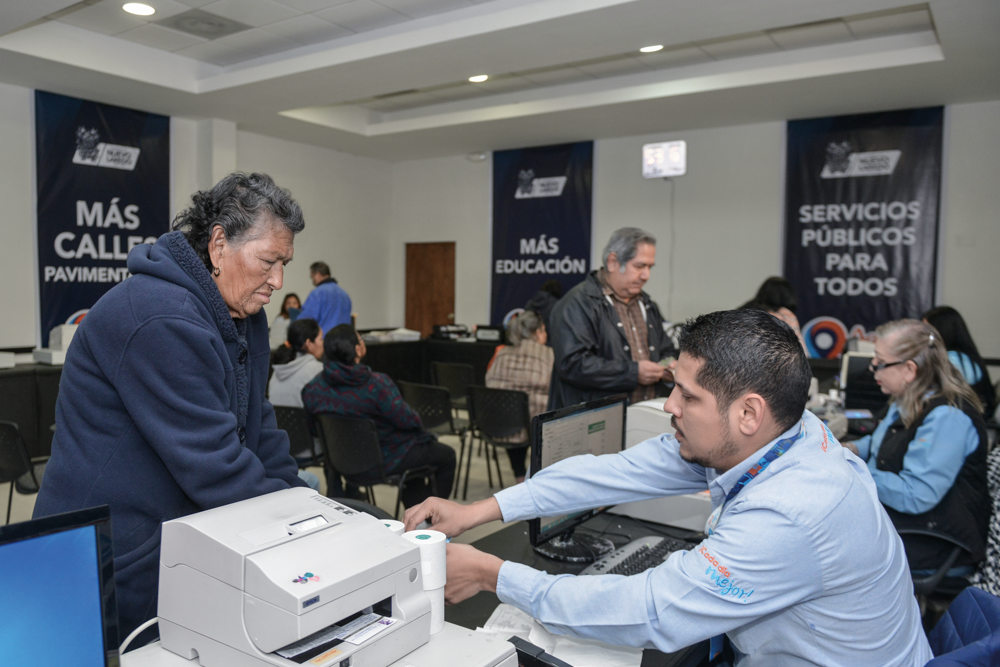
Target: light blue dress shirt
<point>970,371</point>
<point>804,566</point>
<point>931,464</point>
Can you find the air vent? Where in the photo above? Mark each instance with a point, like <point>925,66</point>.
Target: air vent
<point>202,24</point>
<point>396,94</point>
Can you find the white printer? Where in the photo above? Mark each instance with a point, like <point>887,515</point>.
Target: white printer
<point>645,420</point>
<point>251,582</point>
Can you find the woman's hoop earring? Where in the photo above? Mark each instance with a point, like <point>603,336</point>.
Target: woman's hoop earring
<point>217,271</point>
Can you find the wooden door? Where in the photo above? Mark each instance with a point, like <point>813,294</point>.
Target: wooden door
<point>430,285</point>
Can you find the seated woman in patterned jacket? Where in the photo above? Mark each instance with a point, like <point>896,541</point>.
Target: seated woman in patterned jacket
<point>524,365</point>
<point>347,388</point>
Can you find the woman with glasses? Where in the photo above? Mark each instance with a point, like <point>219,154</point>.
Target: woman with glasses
<point>928,456</point>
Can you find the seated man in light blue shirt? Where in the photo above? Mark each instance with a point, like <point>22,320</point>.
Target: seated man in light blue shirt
<point>801,566</point>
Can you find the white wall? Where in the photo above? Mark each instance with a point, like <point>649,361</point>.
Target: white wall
<point>17,249</point>
<point>347,207</point>
<point>728,213</point>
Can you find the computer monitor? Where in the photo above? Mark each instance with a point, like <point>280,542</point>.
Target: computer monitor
<point>57,591</point>
<point>596,427</point>
<point>858,382</point>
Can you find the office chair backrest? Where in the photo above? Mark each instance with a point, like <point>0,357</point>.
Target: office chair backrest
<point>433,404</point>
<point>351,444</point>
<point>14,460</point>
<point>295,422</point>
<point>453,377</point>
<point>499,413</point>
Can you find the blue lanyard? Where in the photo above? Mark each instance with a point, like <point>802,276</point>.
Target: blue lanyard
<point>777,450</point>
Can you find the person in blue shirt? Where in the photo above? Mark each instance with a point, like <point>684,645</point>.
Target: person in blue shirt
<point>328,304</point>
<point>962,352</point>
<point>928,455</point>
<point>801,564</point>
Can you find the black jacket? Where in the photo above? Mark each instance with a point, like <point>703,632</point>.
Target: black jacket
<point>592,359</point>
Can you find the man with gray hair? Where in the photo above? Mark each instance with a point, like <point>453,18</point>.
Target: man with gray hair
<point>607,333</point>
<point>328,304</point>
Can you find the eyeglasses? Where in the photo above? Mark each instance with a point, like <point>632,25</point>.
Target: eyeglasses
<point>874,368</point>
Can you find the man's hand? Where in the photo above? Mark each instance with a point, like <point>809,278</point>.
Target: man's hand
<point>651,372</point>
<point>851,446</point>
<point>469,572</point>
<point>451,518</point>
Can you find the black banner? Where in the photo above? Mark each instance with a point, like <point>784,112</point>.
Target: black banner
<point>861,220</point>
<point>103,187</point>
<point>541,222</point>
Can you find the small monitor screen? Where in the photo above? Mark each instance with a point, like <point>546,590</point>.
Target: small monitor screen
<point>597,428</point>
<point>53,594</point>
<point>861,392</point>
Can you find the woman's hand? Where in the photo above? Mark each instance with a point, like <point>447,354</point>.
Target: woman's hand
<point>851,446</point>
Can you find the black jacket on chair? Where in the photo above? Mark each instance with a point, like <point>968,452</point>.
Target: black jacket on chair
<point>591,356</point>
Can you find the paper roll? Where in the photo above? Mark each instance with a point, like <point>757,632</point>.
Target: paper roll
<point>397,527</point>
<point>437,609</point>
<point>433,556</point>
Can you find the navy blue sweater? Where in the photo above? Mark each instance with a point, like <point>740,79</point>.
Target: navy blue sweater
<point>161,413</point>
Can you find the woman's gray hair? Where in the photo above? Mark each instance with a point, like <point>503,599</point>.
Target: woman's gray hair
<point>624,243</point>
<point>523,326</point>
<point>239,203</point>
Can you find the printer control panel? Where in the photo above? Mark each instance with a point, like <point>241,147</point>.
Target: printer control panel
<point>346,511</point>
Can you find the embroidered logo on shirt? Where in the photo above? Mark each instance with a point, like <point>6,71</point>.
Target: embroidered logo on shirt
<point>723,578</point>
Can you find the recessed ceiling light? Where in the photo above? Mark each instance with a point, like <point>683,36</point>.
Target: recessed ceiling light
<point>138,9</point>
<point>478,78</point>
<point>651,49</point>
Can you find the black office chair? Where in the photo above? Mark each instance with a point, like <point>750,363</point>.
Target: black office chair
<point>14,462</point>
<point>455,378</point>
<point>351,449</point>
<point>434,406</point>
<point>295,422</point>
<point>495,414</point>
<point>936,591</point>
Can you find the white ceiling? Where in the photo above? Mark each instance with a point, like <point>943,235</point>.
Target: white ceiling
<point>388,78</point>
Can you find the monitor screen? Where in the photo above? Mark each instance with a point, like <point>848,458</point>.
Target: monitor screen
<point>597,427</point>
<point>860,389</point>
<point>57,602</point>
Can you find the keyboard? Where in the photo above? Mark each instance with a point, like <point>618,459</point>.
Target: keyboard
<point>637,556</point>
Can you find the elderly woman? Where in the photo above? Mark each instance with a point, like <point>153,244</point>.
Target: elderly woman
<point>524,365</point>
<point>928,456</point>
<point>161,410</point>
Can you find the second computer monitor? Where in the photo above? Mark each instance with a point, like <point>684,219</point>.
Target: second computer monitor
<point>596,427</point>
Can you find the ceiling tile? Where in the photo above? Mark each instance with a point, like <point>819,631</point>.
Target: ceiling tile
<point>890,24</point>
<point>813,34</point>
<point>738,47</point>
<point>414,100</point>
<point>463,91</point>
<point>505,84</point>
<point>307,29</point>
<point>675,57</point>
<point>555,77</point>
<point>239,47</point>
<point>103,20</point>
<point>310,6</point>
<point>164,8</point>
<point>257,13</point>
<point>616,67</point>
<point>418,8</point>
<point>361,15</point>
<point>160,38</point>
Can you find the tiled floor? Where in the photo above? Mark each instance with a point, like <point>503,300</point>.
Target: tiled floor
<point>385,496</point>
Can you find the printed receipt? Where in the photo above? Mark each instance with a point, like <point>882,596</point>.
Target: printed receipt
<point>326,635</point>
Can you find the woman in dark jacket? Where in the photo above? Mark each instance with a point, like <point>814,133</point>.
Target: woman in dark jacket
<point>347,388</point>
<point>161,410</point>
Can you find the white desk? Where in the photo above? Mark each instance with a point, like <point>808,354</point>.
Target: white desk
<point>454,646</point>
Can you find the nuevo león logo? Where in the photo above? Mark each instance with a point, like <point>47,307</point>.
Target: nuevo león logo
<point>90,150</point>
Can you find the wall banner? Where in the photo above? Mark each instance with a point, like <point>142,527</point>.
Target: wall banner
<point>103,184</point>
<point>541,222</point>
<point>861,221</point>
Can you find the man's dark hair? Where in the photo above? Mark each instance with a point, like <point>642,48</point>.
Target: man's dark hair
<point>339,344</point>
<point>553,287</point>
<point>776,292</point>
<point>321,268</point>
<point>750,351</point>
